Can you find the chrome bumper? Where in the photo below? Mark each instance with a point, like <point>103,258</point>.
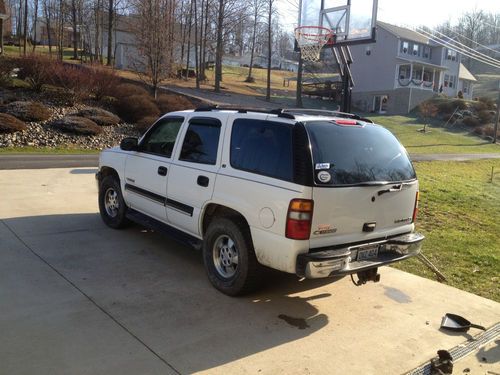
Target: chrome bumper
<point>344,261</point>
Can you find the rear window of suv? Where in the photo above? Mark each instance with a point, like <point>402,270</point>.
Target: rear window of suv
<point>262,147</point>
<point>355,154</point>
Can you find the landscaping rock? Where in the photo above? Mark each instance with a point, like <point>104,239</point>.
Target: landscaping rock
<point>77,125</point>
<point>27,111</point>
<point>99,116</point>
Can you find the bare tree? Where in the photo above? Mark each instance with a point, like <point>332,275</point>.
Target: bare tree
<point>25,32</point>
<point>35,21</point>
<point>257,8</point>
<point>152,31</point>
<point>269,46</point>
<point>111,12</point>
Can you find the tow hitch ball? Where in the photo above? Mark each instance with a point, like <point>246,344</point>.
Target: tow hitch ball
<point>368,275</point>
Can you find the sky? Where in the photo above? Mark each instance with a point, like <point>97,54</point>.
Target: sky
<point>407,12</point>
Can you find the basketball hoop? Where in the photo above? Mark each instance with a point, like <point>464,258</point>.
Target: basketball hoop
<point>311,40</point>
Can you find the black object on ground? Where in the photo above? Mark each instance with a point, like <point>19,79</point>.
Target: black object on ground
<point>458,323</point>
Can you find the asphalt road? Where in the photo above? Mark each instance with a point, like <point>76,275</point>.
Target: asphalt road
<point>37,161</point>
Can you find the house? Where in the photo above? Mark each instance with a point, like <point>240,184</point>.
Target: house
<point>402,69</point>
<point>3,17</point>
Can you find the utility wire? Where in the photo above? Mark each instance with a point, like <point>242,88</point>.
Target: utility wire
<point>472,50</point>
<point>457,49</point>
<point>473,41</point>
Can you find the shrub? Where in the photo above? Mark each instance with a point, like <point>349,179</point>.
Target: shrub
<point>27,111</point>
<point>479,106</point>
<point>488,102</point>
<point>471,121</point>
<point>6,67</point>
<point>128,89</point>
<point>135,107</point>
<point>73,79</point>
<point>99,116</point>
<point>104,82</point>
<point>460,104</point>
<point>10,124</point>
<point>485,116</point>
<point>145,123</point>
<point>460,95</point>
<point>35,70</point>
<point>169,103</point>
<point>446,107</point>
<point>77,125</point>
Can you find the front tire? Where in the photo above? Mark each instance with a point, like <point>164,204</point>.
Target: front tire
<point>112,207</point>
<point>229,257</point>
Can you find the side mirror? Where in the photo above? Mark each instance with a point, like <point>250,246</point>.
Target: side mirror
<point>129,144</point>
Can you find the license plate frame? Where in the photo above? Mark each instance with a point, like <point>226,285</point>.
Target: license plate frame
<point>367,252</point>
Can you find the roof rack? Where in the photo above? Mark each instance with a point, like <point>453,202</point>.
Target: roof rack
<point>285,113</point>
<point>278,112</point>
<point>324,112</point>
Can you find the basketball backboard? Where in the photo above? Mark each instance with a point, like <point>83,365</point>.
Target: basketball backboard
<point>352,21</point>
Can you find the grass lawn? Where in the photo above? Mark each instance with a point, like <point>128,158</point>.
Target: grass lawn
<point>460,216</point>
<point>41,50</point>
<point>437,141</point>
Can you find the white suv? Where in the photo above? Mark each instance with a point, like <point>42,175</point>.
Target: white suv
<point>317,194</point>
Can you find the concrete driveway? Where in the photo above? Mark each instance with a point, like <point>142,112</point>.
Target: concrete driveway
<point>79,298</point>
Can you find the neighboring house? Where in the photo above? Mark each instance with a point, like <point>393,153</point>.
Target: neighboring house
<point>42,34</point>
<point>404,68</point>
<point>3,17</point>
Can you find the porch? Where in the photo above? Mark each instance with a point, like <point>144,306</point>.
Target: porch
<point>419,75</point>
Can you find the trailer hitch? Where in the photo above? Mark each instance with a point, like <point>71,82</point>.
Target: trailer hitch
<point>365,276</point>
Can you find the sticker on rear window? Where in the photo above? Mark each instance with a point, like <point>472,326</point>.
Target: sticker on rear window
<point>322,166</point>
<point>324,177</point>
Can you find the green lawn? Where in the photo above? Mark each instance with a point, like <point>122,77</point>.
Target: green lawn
<point>460,216</point>
<point>436,141</point>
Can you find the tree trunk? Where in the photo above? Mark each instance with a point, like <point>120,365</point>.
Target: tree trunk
<point>204,50</point>
<point>269,46</point>
<point>25,41</point>
<point>110,32</point>
<point>1,36</point>
<point>48,24</point>
<point>35,20</point>
<point>75,29</point>
<point>196,57</point>
<point>189,40</point>
<point>219,48</point>
<point>256,13</point>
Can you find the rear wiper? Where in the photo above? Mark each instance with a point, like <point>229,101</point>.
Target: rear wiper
<point>393,189</point>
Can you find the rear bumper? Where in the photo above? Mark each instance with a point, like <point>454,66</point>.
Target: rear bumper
<point>344,261</point>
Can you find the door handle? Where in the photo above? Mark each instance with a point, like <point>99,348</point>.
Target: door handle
<point>162,171</point>
<point>203,181</point>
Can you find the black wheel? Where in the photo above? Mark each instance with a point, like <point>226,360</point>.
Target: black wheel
<point>112,207</point>
<point>229,257</point>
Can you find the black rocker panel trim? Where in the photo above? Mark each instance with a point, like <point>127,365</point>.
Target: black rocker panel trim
<point>161,199</point>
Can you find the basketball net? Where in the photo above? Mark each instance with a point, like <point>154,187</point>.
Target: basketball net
<point>311,40</point>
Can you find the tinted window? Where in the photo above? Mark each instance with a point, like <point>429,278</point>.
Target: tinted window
<point>201,141</point>
<point>161,139</point>
<point>356,154</point>
<point>262,147</point>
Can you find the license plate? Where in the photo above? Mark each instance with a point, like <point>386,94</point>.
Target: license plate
<point>368,253</point>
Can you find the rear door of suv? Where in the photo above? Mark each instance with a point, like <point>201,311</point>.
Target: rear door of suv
<point>193,173</point>
<point>365,186</point>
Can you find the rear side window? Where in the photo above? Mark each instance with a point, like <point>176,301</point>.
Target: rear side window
<point>350,155</point>
<point>262,147</point>
<point>201,141</point>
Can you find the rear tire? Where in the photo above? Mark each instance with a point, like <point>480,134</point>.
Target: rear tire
<point>229,257</point>
<point>112,207</point>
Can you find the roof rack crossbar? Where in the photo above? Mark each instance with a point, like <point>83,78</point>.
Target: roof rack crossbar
<point>278,112</point>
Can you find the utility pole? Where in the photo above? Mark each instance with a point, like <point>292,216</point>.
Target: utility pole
<point>497,117</point>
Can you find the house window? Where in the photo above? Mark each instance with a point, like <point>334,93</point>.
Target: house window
<point>404,72</point>
<point>417,73</point>
<point>428,75</point>
<point>450,81</point>
<point>426,54</point>
<point>405,47</point>
<point>416,49</point>
<point>451,55</point>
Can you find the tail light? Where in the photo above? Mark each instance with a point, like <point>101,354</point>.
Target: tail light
<point>415,209</point>
<point>299,219</point>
